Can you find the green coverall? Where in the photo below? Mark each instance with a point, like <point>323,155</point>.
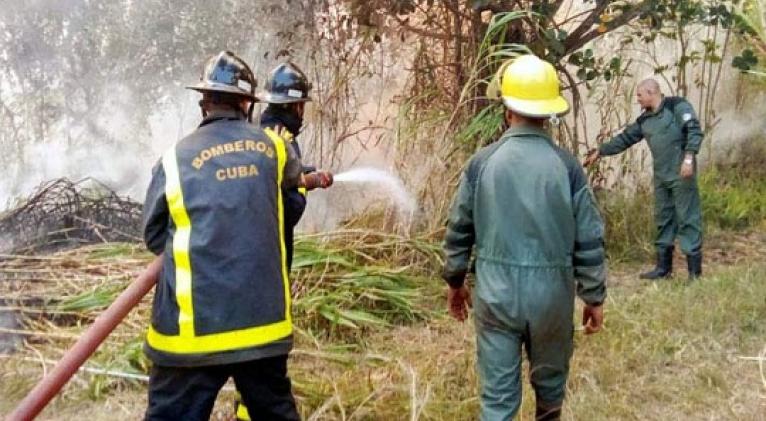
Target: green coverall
<point>526,206</point>
<point>671,131</point>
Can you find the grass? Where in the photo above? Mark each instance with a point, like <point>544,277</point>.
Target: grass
<point>341,290</point>
<point>387,350</point>
<point>629,224</point>
<point>674,351</point>
<point>733,200</point>
<point>668,351</point>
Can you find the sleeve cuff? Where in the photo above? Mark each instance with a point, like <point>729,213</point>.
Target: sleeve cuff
<point>455,279</point>
<point>595,301</point>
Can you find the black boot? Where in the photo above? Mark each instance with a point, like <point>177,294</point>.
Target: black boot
<point>664,265</point>
<point>694,263</point>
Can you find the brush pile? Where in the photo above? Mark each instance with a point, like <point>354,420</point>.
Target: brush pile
<point>63,214</point>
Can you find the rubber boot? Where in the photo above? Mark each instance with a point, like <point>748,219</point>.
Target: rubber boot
<point>694,263</point>
<point>664,265</point>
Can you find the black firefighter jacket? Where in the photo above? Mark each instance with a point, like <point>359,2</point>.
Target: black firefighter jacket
<point>215,209</point>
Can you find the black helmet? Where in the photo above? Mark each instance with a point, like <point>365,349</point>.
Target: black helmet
<point>227,74</point>
<point>286,84</point>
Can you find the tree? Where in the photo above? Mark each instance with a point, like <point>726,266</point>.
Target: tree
<point>455,32</point>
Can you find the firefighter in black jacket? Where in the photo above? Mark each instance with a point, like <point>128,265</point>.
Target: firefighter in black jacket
<point>215,210</point>
<point>286,93</point>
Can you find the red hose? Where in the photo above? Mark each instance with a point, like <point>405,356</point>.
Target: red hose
<point>50,385</point>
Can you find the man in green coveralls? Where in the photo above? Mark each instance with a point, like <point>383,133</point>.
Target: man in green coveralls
<point>670,126</point>
<point>525,204</point>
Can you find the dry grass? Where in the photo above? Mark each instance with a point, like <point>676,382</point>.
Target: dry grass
<point>668,351</point>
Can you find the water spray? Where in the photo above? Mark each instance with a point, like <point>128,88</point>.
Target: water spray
<point>404,200</point>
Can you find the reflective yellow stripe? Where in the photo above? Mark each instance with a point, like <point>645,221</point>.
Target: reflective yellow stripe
<point>302,191</point>
<point>175,199</point>
<point>186,342</point>
<point>281,147</point>
<point>217,342</point>
<point>242,413</point>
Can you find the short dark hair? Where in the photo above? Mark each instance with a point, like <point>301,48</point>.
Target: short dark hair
<point>220,98</point>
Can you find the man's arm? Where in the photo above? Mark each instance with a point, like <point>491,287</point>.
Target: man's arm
<point>295,199</point>
<point>687,118</point>
<point>293,171</point>
<point>627,138</point>
<point>156,215</point>
<point>460,236</point>
<point>589,257</point>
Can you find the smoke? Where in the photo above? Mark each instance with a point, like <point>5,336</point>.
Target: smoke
<point>114,152</point>
<point>97,90</point>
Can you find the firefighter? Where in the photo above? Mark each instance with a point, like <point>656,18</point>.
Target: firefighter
<point>214,209</point>
<point>671,127</point>
<point>286,92</point>
<point>526,207</point>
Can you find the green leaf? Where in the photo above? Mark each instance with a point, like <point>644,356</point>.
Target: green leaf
<point>745,61</point>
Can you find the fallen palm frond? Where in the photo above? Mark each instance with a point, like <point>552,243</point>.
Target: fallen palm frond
<point>63,213</point>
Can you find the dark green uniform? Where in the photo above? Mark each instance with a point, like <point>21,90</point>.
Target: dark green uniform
<point>671,131</point>
<point>526,206</point>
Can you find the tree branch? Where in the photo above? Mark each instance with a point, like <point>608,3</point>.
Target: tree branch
<point>422,32</point>
<point>573,44</point>
<point>586,24</point>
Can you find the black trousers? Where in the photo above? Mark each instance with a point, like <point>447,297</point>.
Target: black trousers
<point>188,393</point>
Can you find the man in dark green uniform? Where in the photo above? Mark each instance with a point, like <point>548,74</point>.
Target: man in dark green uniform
<point>670,126</point>
<point>525,204</point>
<point>214,210</point>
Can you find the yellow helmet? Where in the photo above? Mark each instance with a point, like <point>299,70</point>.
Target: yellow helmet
<point>530,87</point>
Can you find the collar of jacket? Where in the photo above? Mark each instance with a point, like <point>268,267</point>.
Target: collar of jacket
<point>278,115</point>
<point>526,130</point>
<point>222,115</point>
<point>649,112</point>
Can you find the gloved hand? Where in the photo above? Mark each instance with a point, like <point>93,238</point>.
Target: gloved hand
<point>593,156</point>
<point>317,179</point>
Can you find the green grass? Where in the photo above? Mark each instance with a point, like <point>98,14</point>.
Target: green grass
<point>343,292</point>
<point>734,200</point>
<point>673,350</point>
<point>629,221</point>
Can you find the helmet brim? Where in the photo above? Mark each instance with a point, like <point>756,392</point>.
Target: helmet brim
<point>204,87</point>
<point>271,98</point>
<point>537,108</point>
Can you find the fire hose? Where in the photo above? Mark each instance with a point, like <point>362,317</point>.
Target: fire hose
<point>86,345</point>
